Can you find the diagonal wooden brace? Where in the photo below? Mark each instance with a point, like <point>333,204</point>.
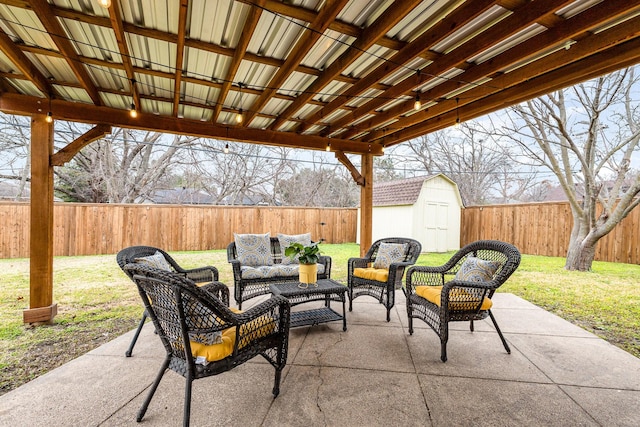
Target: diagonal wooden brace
<point>357,177</point>
<point>67,153</point>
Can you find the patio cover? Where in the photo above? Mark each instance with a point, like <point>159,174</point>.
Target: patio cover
<point>351,76</point>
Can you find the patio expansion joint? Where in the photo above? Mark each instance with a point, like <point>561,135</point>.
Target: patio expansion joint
<point>405,334</point>
<point>125,404</point>
<point>557,385</point>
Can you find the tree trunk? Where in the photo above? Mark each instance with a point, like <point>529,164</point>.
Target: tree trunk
<point>580,255</point>
<point>582,245</point>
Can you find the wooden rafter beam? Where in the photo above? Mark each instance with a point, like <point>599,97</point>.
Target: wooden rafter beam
<point>569,29</point>
<point>26,67</point>
<point>523,16</point>
<point>239,52</point>
<point>609,60</point>
<point>50,21</point>
<point>115,16</point>
<point>369,36</point>
<point>308,38</point>
<point>177,85</point>
<point>70,150</point>
<point>86,113</point>
<point>421,45</point>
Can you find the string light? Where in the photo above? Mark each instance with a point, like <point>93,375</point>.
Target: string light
<point>133,112</point>
<point>49,118</point>
<point>240,115</point>
<point>226,149</point>
<point>105,3</point>
<point>417,104</point>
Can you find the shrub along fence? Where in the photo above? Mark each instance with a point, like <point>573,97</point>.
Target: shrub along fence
<point>545,229</point>
<point>90,229</point>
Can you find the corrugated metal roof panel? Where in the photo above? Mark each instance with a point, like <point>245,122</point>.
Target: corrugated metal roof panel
<point>422,18</point>
<point>327,49</point>
<point>111,78</point>
<point>363,12</point>
<point>25,86</point>
<point>363,98</point>
<point>479,24</point>
<point>258,74</point>
<point>275,36</point>
<point>93,41</point>
<point>155,86</point>
<point>296,84</point>
<point>368,61</point>
<point>515,39</point>
<point>24,25</point>
<point>51,66</point>
<point>275,106</point>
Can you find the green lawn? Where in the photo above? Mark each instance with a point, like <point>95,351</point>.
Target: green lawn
<point>97,302</point>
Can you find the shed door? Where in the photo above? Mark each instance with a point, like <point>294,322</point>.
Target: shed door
<point>437,221</point>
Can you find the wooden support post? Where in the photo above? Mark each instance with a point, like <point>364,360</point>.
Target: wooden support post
<point>41,306</point>
<point>366,204</point>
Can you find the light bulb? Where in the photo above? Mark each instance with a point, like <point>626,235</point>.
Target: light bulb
<point>226,149</point>
<point>49,118</point>
<point>417,104</point>
<point>328,147</point>
<point>133,112</point>
<point>240,116</point>
<point>105,3</point>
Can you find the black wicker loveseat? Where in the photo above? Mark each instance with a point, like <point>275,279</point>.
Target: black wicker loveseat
<point>247,287</point>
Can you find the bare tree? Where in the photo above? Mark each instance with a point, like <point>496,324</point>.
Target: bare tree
<point>471,157</point>
<point>587,136</point>
<point>124,167</point>
<point>15,156</point>
<point>384,169</point>
<point>236,173</point>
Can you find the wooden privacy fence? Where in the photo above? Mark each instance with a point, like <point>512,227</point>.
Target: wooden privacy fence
<point>90,229</point>
<point>545,229</point>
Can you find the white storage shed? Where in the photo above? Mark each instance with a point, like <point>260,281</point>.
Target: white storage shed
<point>425,208</point>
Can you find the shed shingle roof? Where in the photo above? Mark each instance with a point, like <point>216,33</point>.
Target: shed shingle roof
<point>398,192</point>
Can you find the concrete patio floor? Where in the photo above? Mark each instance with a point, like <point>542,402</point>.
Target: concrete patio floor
<point>374,374</point>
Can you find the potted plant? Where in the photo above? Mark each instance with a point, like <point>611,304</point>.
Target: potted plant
<point>308,258</point>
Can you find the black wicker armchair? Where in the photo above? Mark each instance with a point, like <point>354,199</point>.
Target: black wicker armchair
<point>461,289</point>
<point>132,253</point>
<point>202,336</point>
<point>365,277</point>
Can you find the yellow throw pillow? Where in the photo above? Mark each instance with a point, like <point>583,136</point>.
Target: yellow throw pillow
<point>370,273</point>
<point>215,352</point>
<point>257,328</point>
<point>459,299</point>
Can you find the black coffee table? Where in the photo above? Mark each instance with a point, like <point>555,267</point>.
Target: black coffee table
<point>326,290</point>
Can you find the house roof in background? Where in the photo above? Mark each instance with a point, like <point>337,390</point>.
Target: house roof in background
<point>303,73</point>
